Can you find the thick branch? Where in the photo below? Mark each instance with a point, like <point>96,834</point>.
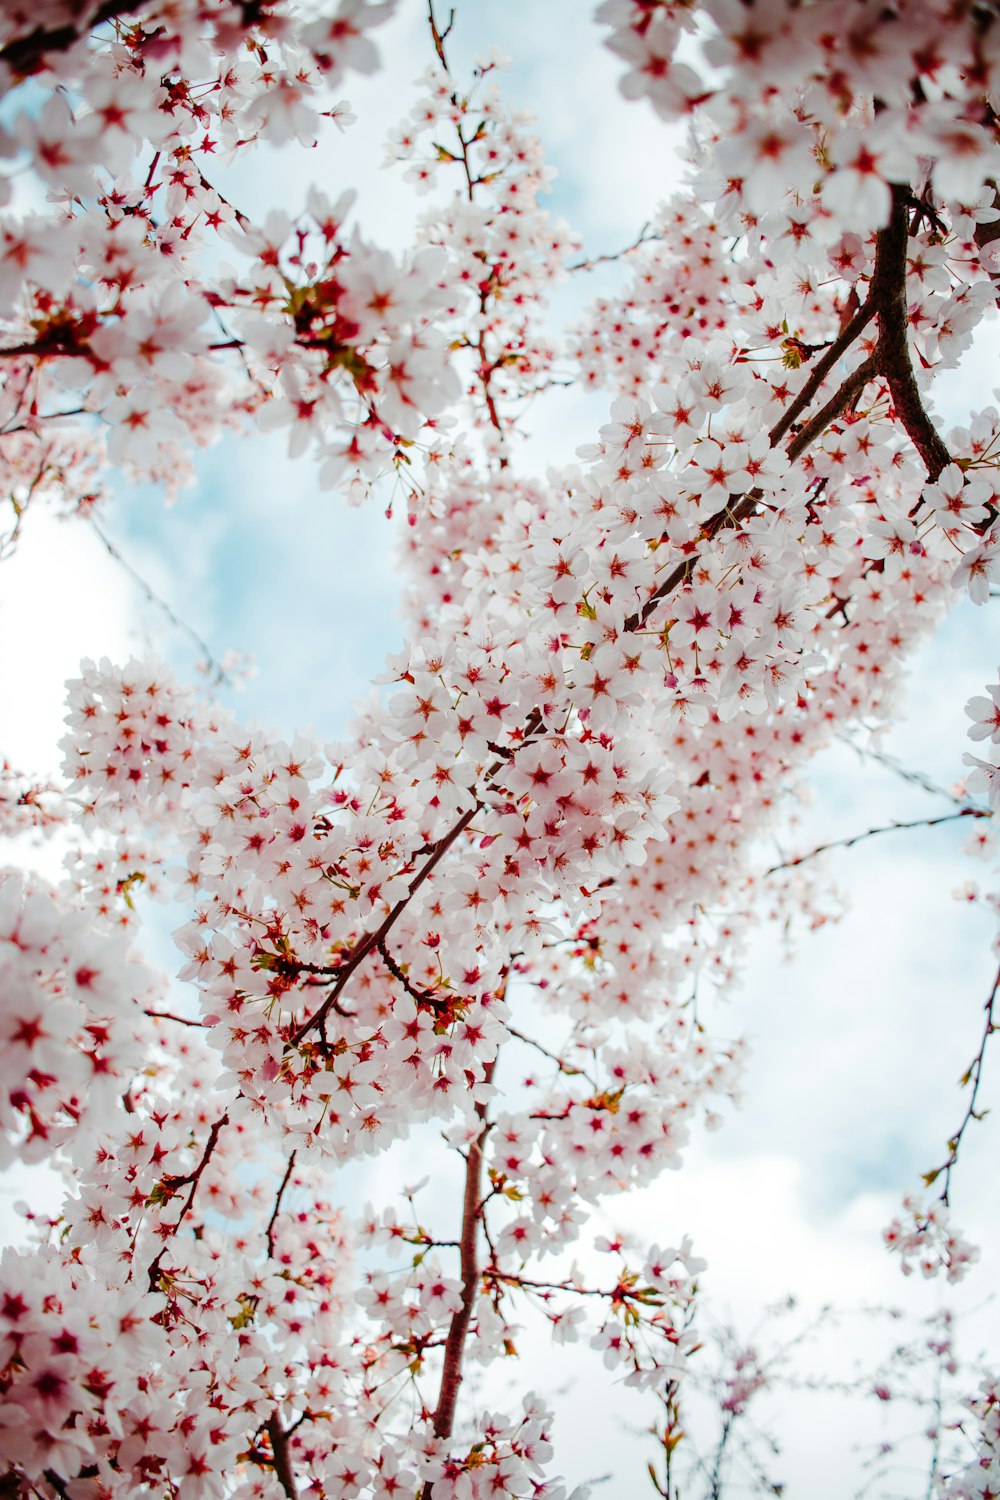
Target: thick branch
<point>26,55</point>
<point>451,1374</point>
<point>838,403</point>
<point>282,1459</point>
<point>889,292</point>
<point>454,1349</point>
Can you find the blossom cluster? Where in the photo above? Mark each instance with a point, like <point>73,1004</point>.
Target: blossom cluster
<point>985,716</point>
<point>70,1036</point>
<point>925,1237</point>
<point>980,1479</point>
<point>123,335</point>
<point>876,98</point>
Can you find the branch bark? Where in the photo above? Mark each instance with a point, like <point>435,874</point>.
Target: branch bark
<point>822,368</point>
<point>282,1458</point>
<point>25,55</point>
<point>893,350</point>
<point>454,1350</point>
<point>870,833</point>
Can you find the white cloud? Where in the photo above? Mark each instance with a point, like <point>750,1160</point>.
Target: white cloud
<point>62,599</point>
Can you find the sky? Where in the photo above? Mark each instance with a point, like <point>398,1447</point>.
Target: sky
<point>857,1042</point>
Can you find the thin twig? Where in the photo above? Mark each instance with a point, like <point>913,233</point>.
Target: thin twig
<point>277,1205</point>
<point>166,1015</point>
<point>905,773</point>
<point>973,1074</point>
<point>868,833</point>
<point>564,1067</point>
<point>194,1177</point>
<point>644,237</point>
<point>216,669</point>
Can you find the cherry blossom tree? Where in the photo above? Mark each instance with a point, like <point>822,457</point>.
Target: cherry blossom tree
<point>489,909</point>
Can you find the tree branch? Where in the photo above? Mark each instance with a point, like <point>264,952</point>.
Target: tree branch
<point>454,1349</point>
<point>973,1075</point>
<point>889,293</point>
<point>26,55</point>
<point>822,368</point>
<point>838,403</point>
<point>375,938</point>
<point>282,1458</point>
<point>644,237</point>
<point>171,1184</point>
<point>277,1205</point>
<point>215,667</point>
<point>868,833</point>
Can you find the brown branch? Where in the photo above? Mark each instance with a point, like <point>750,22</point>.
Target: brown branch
<point>893,350</point>
<point>472,1207</point>
<point>868,833</point>
<point>425,998</point>
<point>166,1015</point>
<point>277,1205</point>
<point>822,368</point>
<point>838,403</point>
<point>644,237</point>
<point>171,1184</point>
<point>373,939</point>
<point>282,1458</point>
<point>26,55</point>
<point>619,1294</point>
<point>973,1074</point>
<point>439,36</point>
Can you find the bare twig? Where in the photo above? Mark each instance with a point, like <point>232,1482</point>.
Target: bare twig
<point>277,1205</point>
<point>973,1074</point>
<point>166,1015</point>
<point>216,669</point>
<point>868,833</point>
<point>439,35</point>
<point>905,773</point>
<point>645,236</point>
